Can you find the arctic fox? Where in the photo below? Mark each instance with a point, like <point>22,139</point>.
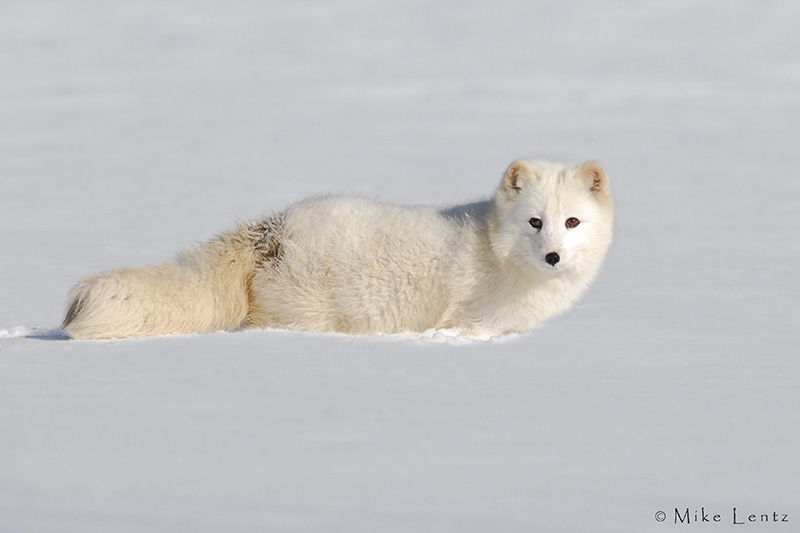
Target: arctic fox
<point>357,266</point>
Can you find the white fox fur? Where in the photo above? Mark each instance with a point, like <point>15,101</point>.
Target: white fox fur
<point>353,265</point>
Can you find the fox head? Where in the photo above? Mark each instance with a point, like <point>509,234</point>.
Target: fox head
<point>552,217</point>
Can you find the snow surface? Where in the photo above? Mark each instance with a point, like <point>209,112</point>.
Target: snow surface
<point>130,130</point>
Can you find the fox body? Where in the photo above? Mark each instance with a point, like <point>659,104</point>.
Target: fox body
<point>357,266</point>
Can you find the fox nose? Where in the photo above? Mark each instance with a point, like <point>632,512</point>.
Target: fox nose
<point>552,258</point>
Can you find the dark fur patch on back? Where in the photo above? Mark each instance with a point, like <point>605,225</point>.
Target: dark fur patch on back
<point>268,234</point>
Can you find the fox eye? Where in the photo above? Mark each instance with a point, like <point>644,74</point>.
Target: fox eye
<point>536,223</point>
<point>572,222</point>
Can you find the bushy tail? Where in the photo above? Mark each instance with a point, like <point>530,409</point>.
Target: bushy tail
<point>206,288</point>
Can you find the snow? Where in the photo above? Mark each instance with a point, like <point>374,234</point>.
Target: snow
<point>129,131</point>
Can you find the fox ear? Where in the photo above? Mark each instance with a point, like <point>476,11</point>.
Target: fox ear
<point>595,177</point>
<point>519,171</point>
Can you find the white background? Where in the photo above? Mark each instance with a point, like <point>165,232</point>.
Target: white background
<point>129,130</point>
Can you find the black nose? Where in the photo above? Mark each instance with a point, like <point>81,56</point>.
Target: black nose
<point>552,258</point>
